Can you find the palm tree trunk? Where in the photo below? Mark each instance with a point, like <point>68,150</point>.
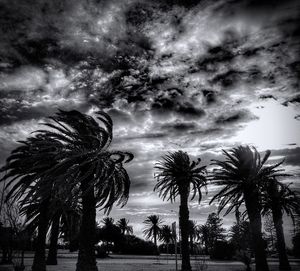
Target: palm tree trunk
<point>283,259</point>
<point>87,236</point>
<point>253,211</point>
<point>184,227</point>
<point>39,261</point>
<point>52,254</point>
<point>191,245</point>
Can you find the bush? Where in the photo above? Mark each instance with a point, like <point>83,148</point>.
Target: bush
<point>134,245</point>
<point>101,252</point>
<point>222,250</point>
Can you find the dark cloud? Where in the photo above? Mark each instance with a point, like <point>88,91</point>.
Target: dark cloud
<point>179,126</point>
<point>209,95</point>
<point>295,99</point>
<point>291,156</point>
<point>235,116</point>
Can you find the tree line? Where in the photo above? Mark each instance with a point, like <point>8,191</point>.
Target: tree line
<point>68,170</point>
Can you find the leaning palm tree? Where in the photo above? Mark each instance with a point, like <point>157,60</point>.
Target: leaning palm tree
<point>240,177</point>
<point>25,169</point>
<point>177,176</point>
<point>72,153</point>
<point>152,228</point>
<point>277,199</point>
<point>84,160</point>
<point>123,224</point>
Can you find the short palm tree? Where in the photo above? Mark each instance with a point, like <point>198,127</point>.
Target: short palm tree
<point>277,199</point>
<point>166,235</point>
<point>177,176</point>
<point>203,236</point>
<point>192,234</point>
<point>124,226</point>
<point>152,228</point>
<point>240,177</point>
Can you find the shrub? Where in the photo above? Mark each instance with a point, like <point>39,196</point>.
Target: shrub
<point>134,245</point>
<point>222,250</point>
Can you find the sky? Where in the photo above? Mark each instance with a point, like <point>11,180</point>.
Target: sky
<point>199,76</point>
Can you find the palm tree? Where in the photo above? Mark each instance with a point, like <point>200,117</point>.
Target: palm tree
<point>166,235</point>
<point>177,176</point>
<point>203,236</point>
<point>277,199</point>
<point>240,177</point>
<point>192,234</point>
<point>25,169</point>
<point>84,160</point>
<point>152,228</point>
<point>74,155</point>
<point>124,227</point>
<point>54,235</point>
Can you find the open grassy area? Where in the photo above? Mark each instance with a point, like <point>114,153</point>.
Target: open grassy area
<point>67,262</point>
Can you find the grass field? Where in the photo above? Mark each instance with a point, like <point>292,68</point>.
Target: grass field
<point>67,262</point>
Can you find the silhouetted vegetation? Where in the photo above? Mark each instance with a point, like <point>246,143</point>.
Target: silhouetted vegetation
<point>61,196</point>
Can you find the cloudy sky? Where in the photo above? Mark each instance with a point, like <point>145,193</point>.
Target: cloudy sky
<point>200,76</point>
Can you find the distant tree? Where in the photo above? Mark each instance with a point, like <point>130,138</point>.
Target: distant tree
<point>177,176</point>
<point>124,226</point>
<point>240,236</point>
<point>109,233</point>
<point>108,222</point>
<point>215,230</point>
<point>203,236</point>
<point>240,177</point>
<point>166,235</point>
<point>192,234</point>
<point>152,228</point>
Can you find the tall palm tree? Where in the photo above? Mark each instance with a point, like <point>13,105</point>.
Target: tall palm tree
<point>240,177</point>
<point>84,160</point>
<point>124,226</point>
<point>166,235</point>
<point>152,228</point>
<point>177,176</point>
<point>277,199</point>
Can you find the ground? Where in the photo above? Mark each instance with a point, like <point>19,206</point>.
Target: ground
<point>67,262</point>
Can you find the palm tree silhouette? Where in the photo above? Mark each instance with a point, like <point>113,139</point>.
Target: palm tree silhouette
<point>84,160</point>
<point>240,177</point>
<point>152,228</point>
<point>166,235</point>
<point>25,168</point>
<point>74,154</point>
<point>177,176</point>
<point>203,236</point>
<point>277,199</point>
<point>192,234</point>
<point>124,227</point>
